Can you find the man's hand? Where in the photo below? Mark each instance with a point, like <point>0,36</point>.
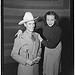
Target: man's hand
<point>36,60</point>
<point>29,62</point>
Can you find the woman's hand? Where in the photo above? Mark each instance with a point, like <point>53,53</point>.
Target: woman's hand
<point>19,33</point>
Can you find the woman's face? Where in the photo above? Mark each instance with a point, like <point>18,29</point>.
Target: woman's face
<point>50,19</point>
<point>30,26</point>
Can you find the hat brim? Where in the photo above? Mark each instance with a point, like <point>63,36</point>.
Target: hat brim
<point>23,21</point>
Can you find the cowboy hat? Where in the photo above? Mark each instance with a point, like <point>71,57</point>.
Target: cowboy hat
<point>27,17</point>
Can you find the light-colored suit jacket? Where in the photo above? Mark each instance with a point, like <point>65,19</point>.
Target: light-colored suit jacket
<point>26,48</point>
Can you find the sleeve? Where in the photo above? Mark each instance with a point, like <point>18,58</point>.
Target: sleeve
<point>14,53</point>
<point>40,50</point>
<point>52,43</point>
<point>40,18</point>
<point>40,25</point>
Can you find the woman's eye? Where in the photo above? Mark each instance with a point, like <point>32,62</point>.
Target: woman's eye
<point>52,20</point>
<point>47,20</point>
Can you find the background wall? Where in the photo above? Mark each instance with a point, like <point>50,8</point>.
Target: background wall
<point>14,11</point>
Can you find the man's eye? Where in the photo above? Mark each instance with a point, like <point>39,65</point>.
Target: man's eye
<point>29,23</point>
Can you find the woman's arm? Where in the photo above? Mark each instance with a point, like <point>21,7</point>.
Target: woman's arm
<point>52,43</point>
<point>40,25</point>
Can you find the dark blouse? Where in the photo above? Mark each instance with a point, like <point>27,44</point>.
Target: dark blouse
<point>52,34</point>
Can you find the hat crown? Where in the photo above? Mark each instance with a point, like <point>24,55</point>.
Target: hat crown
<point>28,16</point>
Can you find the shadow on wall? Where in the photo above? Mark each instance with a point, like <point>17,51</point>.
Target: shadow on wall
<point>67,45</point>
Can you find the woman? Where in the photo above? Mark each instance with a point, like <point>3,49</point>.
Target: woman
<point>51,41</point>
<point>27,48</point>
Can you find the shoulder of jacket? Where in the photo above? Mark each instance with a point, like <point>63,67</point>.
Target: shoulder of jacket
<point>18,38</point>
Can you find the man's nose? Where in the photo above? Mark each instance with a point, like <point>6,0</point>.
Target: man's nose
<point>33,25</point>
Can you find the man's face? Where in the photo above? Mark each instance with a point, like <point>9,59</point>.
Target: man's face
<point>30,26</point>
<point>50,19</point>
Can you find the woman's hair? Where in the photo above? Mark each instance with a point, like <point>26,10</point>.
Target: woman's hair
<point>52,13</point>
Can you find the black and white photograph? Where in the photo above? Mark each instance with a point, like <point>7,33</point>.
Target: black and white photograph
<point>37,37</point>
